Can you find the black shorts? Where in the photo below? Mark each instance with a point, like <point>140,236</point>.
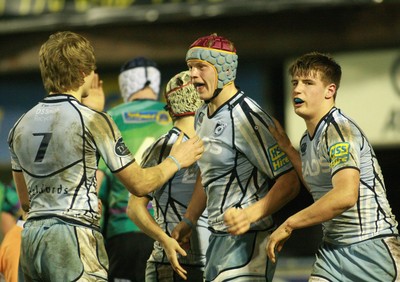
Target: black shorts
<point>128,254</point>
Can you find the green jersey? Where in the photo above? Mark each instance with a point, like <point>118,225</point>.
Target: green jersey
<point>9,201</point>
<point>141,122</point>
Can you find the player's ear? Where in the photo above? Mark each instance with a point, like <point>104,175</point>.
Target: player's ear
<point>330,91</point>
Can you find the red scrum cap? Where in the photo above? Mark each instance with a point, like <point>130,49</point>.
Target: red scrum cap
<point>215,42</point>
<point>219,52</point>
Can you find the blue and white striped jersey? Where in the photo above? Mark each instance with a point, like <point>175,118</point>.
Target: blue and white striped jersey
<point>338,143</point>
<point>241,159</point>
<point>171,200</point>
<point>57,145</point>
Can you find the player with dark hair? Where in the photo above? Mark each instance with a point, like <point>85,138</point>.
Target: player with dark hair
<point>338,166</point>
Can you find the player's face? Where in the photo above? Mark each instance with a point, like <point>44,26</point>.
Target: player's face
<point>311,97</point>
<point>204,78</point>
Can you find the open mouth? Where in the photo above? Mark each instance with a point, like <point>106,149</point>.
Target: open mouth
<point>198,85</point>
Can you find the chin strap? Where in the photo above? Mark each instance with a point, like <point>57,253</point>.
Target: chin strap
<point>216,93</point>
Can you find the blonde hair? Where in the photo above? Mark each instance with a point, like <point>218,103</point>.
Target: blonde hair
<point>65,59</point>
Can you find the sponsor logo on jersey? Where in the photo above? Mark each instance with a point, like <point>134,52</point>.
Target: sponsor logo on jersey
<point>36,190</point>
<point>161,117</point>
<point>219,128</point>
<point>200,118</point>
<point>303,148</point>
<point>278,157</point>
<point>314,167</point>
<point>121,149</point>
<point>339,153</point>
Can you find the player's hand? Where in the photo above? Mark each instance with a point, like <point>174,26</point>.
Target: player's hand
<point>95,98</point>
<point>186,153</point>
<point>280,135</point>
<point>277,240</point>
<point>237,221</point>
<point>182,233</point>
<point>172,248</point>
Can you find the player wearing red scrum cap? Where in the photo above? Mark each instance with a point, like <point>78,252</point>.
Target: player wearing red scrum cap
<point>241,171</point>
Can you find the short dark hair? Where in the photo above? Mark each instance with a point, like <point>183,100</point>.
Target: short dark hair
<point>329,69</point>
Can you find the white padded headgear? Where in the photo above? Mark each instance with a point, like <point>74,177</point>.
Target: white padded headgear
<point>137,74</point>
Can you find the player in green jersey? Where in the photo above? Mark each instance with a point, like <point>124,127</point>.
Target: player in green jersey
<point>141,120</point>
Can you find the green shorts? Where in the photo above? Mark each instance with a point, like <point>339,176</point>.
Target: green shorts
<point>54,250</point>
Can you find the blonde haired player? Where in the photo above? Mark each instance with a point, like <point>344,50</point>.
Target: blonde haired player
<point>55,148</point>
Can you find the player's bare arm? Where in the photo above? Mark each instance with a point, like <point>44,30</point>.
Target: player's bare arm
<point>141,181</point>
<point>137,211</point>
<point>284,190</point>
<point>342,197</point>
<point>195,208</point>
<point>22,190</point>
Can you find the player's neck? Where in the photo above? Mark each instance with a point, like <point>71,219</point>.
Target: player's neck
<point>227,92</point>
<point>76,94</point>
<point>144,94</point>
<point>186,124</point>
<point>314,119</point>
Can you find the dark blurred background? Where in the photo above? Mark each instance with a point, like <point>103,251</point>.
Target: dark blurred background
<point>266,34</point>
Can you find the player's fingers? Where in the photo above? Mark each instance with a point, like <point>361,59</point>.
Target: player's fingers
<point>198,145</point>
<point>181,273</point>
<point>238,229</point>
<point>234,217</point>
<point>95,81</point>
<point>233,230</point>
<point>229,216</point>
<point>181,251</point>
<point>196,140</point>
<point>180,137</point>
<point>270,248</point>
<point>278,126</point>
<point>175,235</point>
<point>178,268</point>
<point>280,245</point>
<point>185,239</point>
